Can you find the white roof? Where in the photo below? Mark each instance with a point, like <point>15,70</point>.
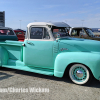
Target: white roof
<point>57,24</point>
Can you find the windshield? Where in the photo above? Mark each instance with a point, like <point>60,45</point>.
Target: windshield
<point>59,32</point>
<point>90,33</point>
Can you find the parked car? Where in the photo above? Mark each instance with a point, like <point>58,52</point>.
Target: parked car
<point>82,32</point>
<point>20,34</point>
<point>46,52</point>
<point>7,33</point>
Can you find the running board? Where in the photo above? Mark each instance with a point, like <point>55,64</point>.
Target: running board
<point>32,69</point>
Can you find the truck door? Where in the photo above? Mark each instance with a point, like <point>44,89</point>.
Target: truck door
<point>38,50</point>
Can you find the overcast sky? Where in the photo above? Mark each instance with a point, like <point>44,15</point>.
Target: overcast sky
<point>73,12</point>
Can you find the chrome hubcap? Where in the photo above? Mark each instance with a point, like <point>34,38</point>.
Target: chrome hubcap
<point>79,73</point>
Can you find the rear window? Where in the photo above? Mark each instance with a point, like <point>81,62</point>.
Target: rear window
<point>17,33</point>
<point>6,32</point>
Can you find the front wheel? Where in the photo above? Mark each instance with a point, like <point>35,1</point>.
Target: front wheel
<point>79,74</point>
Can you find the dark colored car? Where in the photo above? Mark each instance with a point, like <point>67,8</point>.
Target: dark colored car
<point>7,34</point>
<point>83,32</point>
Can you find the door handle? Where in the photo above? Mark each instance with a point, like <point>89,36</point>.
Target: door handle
<point>23,45</point>
<point>30,43</point>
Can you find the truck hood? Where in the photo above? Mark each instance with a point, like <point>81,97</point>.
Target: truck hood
<point>76,44</point>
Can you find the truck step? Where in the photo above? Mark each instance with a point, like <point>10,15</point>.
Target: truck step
<point>15,62</point>
<point>32,69</point>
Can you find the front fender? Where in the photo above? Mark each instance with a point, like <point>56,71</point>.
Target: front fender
<point>90,59</point>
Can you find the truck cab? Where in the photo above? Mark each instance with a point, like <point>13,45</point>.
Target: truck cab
<point>41,38</point>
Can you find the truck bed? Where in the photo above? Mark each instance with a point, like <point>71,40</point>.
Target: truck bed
<point>10,50</point>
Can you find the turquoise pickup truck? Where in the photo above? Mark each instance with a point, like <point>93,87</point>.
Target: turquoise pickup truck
<point>46,52</point>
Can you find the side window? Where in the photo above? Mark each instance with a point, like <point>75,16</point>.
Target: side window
<point>17,33</point>
<point>83,33</point>
<point>6,32</point>
<point>39,33</point>
<point>36,33</point>
<point>74,32</point>
<point>3,32</point>
<point>10,32</point>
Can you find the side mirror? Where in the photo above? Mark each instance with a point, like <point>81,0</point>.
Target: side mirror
<point>58,35</point>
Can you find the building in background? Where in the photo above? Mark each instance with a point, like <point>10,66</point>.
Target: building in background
<point>95,29</point>
<point>2,19</point>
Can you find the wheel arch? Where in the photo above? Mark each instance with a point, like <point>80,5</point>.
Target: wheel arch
<point>66,72</point>
<point>64,60</point>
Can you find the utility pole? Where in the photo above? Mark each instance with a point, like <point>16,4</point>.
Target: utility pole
<point>35,20</point>
<point>65,21</point>
<point>20,23</point>
<point>82,22</point>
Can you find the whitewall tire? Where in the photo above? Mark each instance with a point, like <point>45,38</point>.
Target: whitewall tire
<point>79,74</point>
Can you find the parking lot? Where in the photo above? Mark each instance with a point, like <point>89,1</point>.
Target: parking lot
<point>59,89</point>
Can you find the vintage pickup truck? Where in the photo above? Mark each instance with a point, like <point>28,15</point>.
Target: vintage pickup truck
<point>83,32</point>
<point>46,52</point>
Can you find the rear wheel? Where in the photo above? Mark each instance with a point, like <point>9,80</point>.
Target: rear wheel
<point>79,74</point>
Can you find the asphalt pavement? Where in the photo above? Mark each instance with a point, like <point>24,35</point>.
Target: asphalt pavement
<point>16,85</point>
